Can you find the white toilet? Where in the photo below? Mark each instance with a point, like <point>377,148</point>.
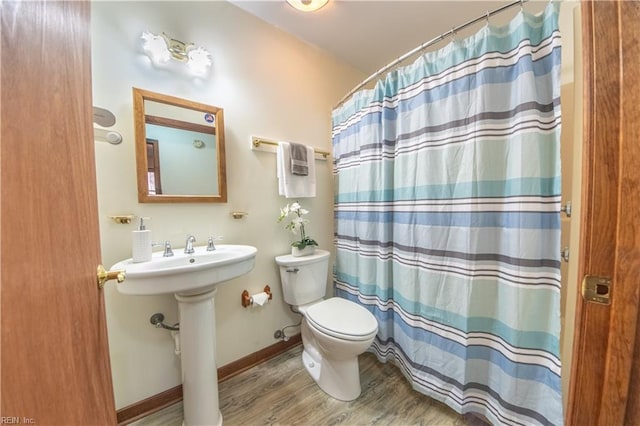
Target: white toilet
<point>334,331</point>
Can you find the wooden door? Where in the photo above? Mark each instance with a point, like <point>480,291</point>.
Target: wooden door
<point>54,353</point>
<point>610,237</point>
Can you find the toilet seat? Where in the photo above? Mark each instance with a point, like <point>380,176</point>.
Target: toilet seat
<point>342,319</point>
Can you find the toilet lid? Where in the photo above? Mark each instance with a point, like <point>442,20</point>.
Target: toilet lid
<point>343,319</point>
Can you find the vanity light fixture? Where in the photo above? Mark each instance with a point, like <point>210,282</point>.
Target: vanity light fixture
<point>162,48</point>
<point>307,5</point>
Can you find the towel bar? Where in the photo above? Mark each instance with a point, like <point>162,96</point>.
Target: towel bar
<point>256,142</point>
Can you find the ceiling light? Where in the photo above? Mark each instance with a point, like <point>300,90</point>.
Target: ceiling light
<point>162,48</point>
<point>307,5</point>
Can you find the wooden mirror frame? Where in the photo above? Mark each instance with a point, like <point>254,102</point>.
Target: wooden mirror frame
<point>139,96</point>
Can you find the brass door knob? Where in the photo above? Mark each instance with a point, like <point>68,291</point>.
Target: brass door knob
<point>104,276</point>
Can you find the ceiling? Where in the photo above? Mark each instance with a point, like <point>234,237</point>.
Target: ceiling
<point>370,34</point>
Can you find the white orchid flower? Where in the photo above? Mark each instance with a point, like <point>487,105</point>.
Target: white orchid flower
<point>297,224</point>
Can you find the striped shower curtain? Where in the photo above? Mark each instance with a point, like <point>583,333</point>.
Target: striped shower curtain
<point>447,209</point>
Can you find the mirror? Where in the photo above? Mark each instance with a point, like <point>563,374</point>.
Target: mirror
<point>180,155</point>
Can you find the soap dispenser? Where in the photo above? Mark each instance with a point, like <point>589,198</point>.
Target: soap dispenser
<point>141,243</point>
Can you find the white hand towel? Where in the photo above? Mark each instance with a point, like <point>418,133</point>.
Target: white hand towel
<point>290,185</point>
<point>280,161</point>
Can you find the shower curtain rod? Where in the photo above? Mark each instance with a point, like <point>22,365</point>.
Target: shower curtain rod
<point>423,46</point>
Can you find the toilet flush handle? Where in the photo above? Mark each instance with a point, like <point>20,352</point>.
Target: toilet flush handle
<point>294,270</point>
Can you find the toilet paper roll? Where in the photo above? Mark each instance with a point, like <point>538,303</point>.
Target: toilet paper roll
<point>259,299</point>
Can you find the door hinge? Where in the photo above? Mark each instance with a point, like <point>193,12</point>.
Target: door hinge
<point>596,289</point>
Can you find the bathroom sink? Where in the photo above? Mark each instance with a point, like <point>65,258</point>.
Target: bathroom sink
<point>192,279</point>
<point>186,274</point>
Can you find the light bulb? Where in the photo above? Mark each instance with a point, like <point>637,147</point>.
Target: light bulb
<point>199,60</point>
<point>307,5</point>
<point>156,47</point>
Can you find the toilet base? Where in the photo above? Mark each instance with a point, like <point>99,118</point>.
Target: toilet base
<point>338,379</point>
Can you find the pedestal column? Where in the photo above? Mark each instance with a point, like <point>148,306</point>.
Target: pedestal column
<point>198,352</point>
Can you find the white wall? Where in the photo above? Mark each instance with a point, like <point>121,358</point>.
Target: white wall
<point>269,84</point>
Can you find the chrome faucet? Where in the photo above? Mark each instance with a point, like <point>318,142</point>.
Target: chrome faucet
<point>210,245</point>
<point>188,247</point>
<point>167,249</point>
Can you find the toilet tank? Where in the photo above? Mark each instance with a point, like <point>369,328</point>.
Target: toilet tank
<point>304,278</point>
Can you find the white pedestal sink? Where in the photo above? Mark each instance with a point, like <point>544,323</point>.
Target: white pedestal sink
<point>192,278</point>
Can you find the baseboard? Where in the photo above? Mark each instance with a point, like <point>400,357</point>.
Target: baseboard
<point>154,403</point>
<point>169,397</point>
<point>236,367</point>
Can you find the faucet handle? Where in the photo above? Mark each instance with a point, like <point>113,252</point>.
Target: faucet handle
<point>210,245</point>
<point>167,249</point>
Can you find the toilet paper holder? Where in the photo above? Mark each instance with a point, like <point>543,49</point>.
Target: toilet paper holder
<point>247,300</point>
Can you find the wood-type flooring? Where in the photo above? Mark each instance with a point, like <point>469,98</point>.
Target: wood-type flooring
<point>281,392</point>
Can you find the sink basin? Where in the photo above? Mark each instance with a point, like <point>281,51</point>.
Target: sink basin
<point>186,274</point>
<point>192,279</point>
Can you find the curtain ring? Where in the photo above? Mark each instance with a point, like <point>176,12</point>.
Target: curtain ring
<point>453,34</point>
<point>488,16</point>
<point>521,4</point>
